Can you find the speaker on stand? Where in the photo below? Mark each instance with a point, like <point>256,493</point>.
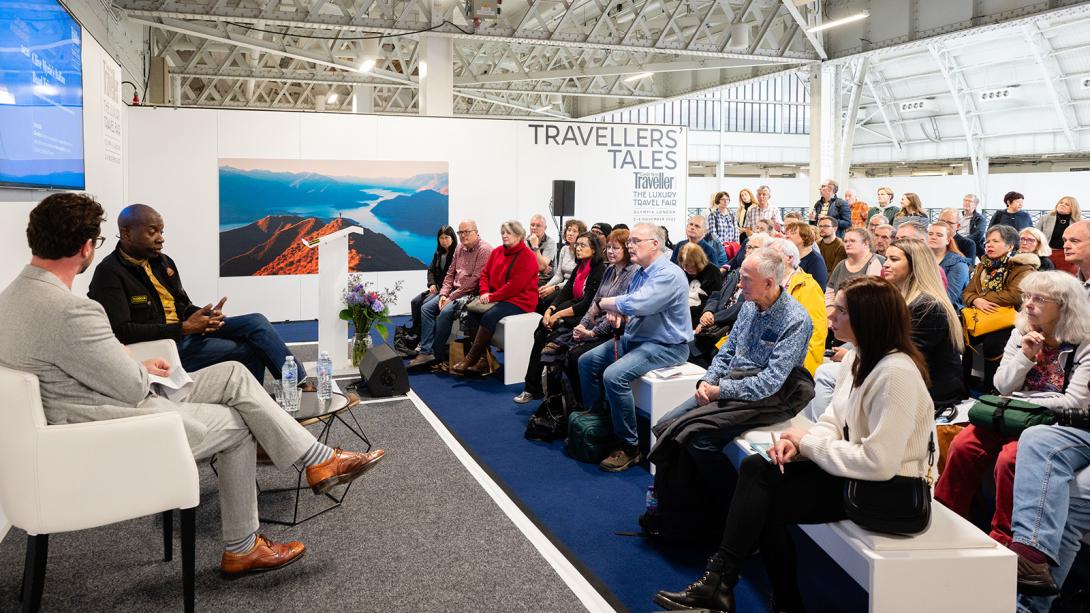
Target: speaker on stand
<point>563,203</point>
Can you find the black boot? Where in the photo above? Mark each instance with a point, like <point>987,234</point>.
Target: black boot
<point>714,590</point>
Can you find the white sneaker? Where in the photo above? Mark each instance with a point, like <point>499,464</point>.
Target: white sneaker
<point>524,397</point>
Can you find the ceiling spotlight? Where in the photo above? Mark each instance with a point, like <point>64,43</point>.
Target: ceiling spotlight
<point>369,53</point>
<point>638,76</point>
<point>332,99</point>
<point>839,22</point>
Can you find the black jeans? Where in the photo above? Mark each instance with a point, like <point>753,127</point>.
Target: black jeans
<point>992,345</point>
<point>765,503</point>
<point>542,336</point>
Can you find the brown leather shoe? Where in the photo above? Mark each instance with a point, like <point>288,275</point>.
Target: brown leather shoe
<point>459,368</point>
<point>1036,579</point>
<point>342,468</point>
<point>265,556</point>
<point>308,386</point>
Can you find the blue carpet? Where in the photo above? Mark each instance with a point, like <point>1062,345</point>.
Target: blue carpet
<point>582,509</point>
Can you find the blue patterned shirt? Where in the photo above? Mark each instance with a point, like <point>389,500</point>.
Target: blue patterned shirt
<point>657,305</point>
<point>723,226</point>
<point>773,341</point>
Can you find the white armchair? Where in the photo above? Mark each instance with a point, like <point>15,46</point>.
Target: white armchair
<point>66,477</point>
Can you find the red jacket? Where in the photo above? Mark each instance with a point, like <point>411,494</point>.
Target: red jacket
<point>520,289</point>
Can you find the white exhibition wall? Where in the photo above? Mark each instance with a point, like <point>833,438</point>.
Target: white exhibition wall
<point>498,169</point>
<point>103,138</point>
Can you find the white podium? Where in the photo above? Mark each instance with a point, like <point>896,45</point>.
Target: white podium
<point>332,279</point>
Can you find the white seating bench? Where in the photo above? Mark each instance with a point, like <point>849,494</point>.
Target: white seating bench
<point>953,566</point>
<point>656,396</point>
<point>515,338</point>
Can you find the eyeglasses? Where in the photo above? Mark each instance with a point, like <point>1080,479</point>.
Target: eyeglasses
<point>99,241</point>
<point>465,232</point>
<point>1037,298</point>
<point>1027,239</point>
<point>636,241</point>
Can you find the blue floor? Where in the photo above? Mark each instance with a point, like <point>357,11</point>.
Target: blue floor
<point>582,509</point>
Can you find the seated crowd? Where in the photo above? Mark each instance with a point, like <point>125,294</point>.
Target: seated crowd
<point>840,312</point>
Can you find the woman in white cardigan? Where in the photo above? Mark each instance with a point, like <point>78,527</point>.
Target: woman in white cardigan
<point>880,401</point>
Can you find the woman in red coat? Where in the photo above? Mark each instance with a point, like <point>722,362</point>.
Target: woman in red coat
<point>509,284</point>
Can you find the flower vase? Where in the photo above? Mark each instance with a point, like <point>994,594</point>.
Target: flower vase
<point>360,344</point>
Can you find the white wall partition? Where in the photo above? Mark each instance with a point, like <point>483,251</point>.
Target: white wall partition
<point>498,170</point>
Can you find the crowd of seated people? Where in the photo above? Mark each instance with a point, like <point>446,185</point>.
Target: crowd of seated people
<point>629,304</point>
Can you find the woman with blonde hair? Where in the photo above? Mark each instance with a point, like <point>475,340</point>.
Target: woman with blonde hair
<point>911,210</point>
<point>936,325</point>
<point>1052,226</point>
<point>1032,240</point>
<point>953,263</point>
<point>745,200</point>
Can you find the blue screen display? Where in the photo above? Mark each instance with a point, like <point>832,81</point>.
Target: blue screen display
<point>41,96</point>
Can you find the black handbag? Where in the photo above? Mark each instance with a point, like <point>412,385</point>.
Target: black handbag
<point>901,505</point>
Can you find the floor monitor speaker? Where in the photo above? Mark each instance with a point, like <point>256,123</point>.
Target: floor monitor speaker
<point>563,198</point>
<point>384,372</point>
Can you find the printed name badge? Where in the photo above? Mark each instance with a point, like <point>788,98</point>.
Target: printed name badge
<point>138,299</point>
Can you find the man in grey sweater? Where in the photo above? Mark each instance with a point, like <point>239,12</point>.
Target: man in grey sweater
<point>86,374</point>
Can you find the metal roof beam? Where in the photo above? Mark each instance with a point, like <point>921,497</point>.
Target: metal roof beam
<point>1050,69</point>
<point>604,71</point>
<point>815,39</point>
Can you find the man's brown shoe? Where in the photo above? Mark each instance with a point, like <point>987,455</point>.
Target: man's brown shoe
<point>1035,579</point>
<point>266,555</point>
<point>342,468</point>
<point>620,460</point>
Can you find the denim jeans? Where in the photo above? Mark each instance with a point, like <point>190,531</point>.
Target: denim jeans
<point>249,339</point>
<point>435,327</point>
<point>1051,501</point>
<point>598,369</point>
<point>824,383</point>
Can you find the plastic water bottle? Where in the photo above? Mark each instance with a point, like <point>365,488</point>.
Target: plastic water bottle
<point>325,376</point>
<point>290,381</point>
<point>652,500</point>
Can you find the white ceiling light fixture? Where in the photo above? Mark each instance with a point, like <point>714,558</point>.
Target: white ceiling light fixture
<point>369,53</point>
<point>638,76</point>
<point>332,99</point>
<point>423,68</point>
<point>543,109</point>
<point>839,22</point>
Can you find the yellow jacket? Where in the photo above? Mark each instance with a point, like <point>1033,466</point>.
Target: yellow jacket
<point>803,288</point>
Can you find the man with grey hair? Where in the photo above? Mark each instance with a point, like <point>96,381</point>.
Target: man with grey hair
<point>951,218</point>
<point>763,211</point>
<point>543,248</point>
<point>883,236</point>
<point>654,314</point>
<point>696,231</point>
<point>437,313</point>
<point>831,205</point>
<point>972,225</point>
<point>912,229</point>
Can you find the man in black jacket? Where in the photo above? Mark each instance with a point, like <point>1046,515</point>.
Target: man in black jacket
<point>832,206</point>
<point>141,291</point>
<point>972,224</point>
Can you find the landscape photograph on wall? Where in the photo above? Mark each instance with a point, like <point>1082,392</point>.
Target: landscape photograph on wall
<point>269,207</point>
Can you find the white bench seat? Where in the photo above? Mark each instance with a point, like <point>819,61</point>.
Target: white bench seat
<point>515,338</point>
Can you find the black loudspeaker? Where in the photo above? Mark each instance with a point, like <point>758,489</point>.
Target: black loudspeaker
<point>563,198</point>
<point>384,372</point>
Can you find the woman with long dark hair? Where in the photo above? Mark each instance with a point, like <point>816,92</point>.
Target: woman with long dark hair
<point>446,241</point>
<point>877,427</point>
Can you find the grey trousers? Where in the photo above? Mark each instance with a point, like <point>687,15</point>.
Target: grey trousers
<point>236,409</point>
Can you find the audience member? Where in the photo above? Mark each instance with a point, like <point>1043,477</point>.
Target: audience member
<point>1045,359</point>
<point>1032,240</point>
<point>914,230</point>
<point>801,286</point>
<point>566,310</point>
<point>543,248</point>
<point>508,286</point>
<point>720,313</point>
<point>859,209</point>
<point>885,207</point>
<point>787,218</point>
<point>830,247</point>
<point>565,263</point>
<point>656,335</point>
<point>667,245</point>
<point>141,291</point>
<point>911,210</point>
<point>745,201</point>
<point>695,231</point>
<point>936,323</point>
<point>1046,526</point>
<point>863,435</point>
<point>462,281</point>
<point>1054,224</point>
<point>85,374</point>
<point>995,284</point>
<point>829,205</point>
<point>446,243</point>
<point>1012,215</point>
<point>703,276</point>
<point>950,260</point>
<point>1077,249</point>
<point>883,235</point>
<point>721,222</point>
<point>971,224</point>
<point>763,211</point>
<point>967,247</point>
<point>803,236</point>
<point>860,262</point>
<point>601,230</point>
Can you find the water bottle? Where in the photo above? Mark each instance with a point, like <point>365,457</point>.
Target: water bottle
<point>652,500</point>
<point>325,376</point>
<point>290,381</point>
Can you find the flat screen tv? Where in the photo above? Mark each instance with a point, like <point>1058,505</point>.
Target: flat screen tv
<point>41,96</point>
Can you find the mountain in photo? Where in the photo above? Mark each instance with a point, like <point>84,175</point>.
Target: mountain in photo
<point>419,213</point>
<point>272,246</point>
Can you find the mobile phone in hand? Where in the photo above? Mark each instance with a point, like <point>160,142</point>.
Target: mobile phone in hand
<point>761,449</point>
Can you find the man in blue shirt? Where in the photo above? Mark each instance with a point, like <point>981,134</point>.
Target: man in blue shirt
<point>696,231</point>
<point>656,335</point>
